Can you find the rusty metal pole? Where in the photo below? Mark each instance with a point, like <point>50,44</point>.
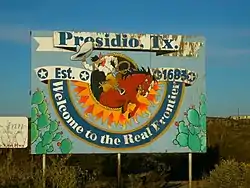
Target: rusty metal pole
<point>44,170</point>
<point>190,170</point>
<point>119,184</point>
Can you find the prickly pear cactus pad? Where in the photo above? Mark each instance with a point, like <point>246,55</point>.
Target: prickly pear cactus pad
<point>46,133</point>
<point>117,92</point>
<point>191,131</point>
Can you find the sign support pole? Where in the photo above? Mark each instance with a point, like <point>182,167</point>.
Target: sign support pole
<point>190,170</point>
<point>44,169</point>
<point>119,170</point>
<point>9,158</point>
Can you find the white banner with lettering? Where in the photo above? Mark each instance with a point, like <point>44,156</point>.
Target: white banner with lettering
<point>84,75</point>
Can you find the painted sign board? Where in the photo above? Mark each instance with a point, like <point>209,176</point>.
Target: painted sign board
<point>115,92</point>
<point>13,132</point>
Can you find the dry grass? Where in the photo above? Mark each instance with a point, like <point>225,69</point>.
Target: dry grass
<point>231,136</point>
<point>29,174</point>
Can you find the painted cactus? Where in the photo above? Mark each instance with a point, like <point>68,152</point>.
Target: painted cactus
<point>44,131</point>
<point>192,130</point>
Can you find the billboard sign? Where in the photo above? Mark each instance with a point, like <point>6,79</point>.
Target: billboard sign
<point>115,92</point>
<point>13,132</point>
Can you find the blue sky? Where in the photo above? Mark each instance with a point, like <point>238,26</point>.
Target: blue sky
<point>225,24</point>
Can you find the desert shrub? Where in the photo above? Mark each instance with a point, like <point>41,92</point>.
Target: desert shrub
<point>156,174</point>
<point>58,175</point>
<point>19,176</point>
<point>103,183</point>
<point>229,174</point>
<point>146,180</point>
<point>246,176</point>
<point>231,137</point>
<point>28,174</point>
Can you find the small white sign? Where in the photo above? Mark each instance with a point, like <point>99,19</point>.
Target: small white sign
<point>13,132</point>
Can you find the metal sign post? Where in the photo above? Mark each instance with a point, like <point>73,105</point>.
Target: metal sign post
<point>9,159</point>
<point>190,170</point>
<point>119,170</point>
<point>44,169</point>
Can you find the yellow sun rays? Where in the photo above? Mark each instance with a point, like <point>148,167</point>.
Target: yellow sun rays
<point>112,116</point>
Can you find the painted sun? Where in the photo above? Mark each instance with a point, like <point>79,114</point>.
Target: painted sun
<point>111,116</point>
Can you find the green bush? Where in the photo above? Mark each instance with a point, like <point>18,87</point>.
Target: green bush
<point>229,174</point>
